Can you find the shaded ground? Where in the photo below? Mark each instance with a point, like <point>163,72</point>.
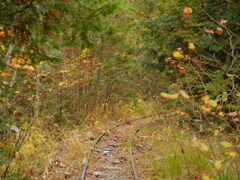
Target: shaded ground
<point>110,158</point>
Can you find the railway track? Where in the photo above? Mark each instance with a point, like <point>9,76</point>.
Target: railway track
<point>107,157</point>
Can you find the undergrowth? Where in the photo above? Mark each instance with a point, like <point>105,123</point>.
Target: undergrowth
<point>175,151</point>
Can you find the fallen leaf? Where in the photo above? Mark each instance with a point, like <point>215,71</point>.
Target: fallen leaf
<point>223,21</point>
<point>216,132</point>
<point>191,46</point>
<point>232,114</point>
<point>219,30</point>
<point>170,96</point>
<point>182,71</point>
<point>212,103</point>
<point>187,11</point>
<point>205,99</point>
<point>226,144</point>
<point>218,164</point>
<point>174,62</point>
<point>204,108</point>
<point>236,120</point>
<point>222,114</point>
<point>231,153</point>
<point>205,176</point>
<point>178,55</point>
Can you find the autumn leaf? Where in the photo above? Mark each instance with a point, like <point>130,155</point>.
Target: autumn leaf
<point>184,94</point>
<point>2,47</point>
<point>5,74</point>
<point>226,144</point>
<point>187,11</point>
<point>218,164</point>
<point>231,153</point>
<point>170,96</point>
<point>232,75</point>
<point>222,114</point>
<point>238,94</point>
<point>196,61</point>
<point>219,107</point>
<point>205,176</point>
<point>28,68</point>
<point>223,21</point>
<point>182,71</point>
<point>191,46</point>
<point>212,103</point>
<point>204,108</point>
<point>174,62</point>
<point>209,31</point>
<point>205,99</point>
<point>236,120</point>
<point>232,114</point>
<point>219,30</point>
<point>61,84</point>
<point>178,55</point>
<point>16,113</point>
<point>216,132</point>
<point>63,71</point>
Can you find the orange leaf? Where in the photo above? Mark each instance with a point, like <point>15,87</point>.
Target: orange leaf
<point>174,62</point>
<point>183,71</point>
<point>196,61</point>
<point>187,11</point>
<point>219,30</point>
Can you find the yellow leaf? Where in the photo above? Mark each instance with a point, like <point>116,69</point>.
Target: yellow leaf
<point>226,144</point>
<point>206,177</point>
<point>222,114</point>
<point>204,108</point>
<point>61,84</point>
<point>216,132</point>
<point>184,94</point>
<point>218,164</point>
<point>84,51</point>
<point>231,153</point>
<point>178,55</point>
<point>191,46</point>
<point>212,103</point>
<point>170,96</point>
<point>5,74</point>
<point>205,99</point>
<point>183,113</point>
<point>63,71</point>
<point>2,47</point>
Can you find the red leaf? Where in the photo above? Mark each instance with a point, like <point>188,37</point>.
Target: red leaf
<point>219,30</point>
<point>209,31</point>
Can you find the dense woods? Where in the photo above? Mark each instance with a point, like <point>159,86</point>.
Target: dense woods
<point>69,67</point>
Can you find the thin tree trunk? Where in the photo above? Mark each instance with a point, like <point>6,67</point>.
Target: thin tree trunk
<point>9,53</point>
<point>38,81</point>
